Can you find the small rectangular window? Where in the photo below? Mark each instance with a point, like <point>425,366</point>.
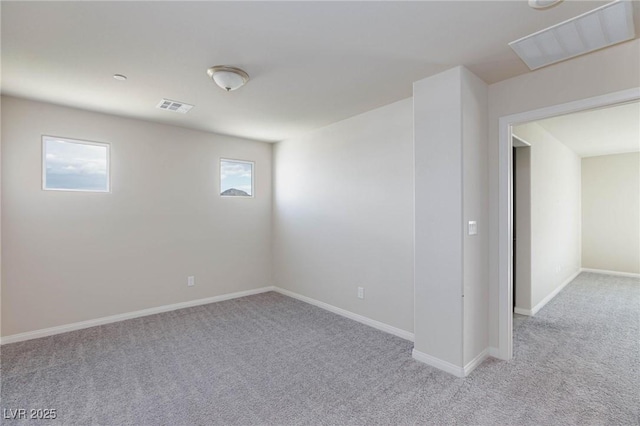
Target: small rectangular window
<point>73,165</point>
<point>236,178</point>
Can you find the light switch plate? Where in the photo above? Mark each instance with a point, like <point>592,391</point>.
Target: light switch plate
<point>473,227</point>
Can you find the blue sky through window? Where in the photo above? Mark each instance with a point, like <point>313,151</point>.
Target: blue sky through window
<point>75,166</point>
<point>236,175</point>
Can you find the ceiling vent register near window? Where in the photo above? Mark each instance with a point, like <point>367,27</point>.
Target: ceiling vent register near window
<point>601,27</point>
<point>175,106</point>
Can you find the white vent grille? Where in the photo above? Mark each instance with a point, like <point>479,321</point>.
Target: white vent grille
<point>175,106</point>
<point>601,27</point>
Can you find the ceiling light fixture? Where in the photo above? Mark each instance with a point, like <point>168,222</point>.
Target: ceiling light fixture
<point>120,77</point>
<point>543,4</point>
<point>228,78</point>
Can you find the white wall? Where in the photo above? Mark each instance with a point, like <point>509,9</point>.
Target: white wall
<point>343,214</point>
<point>555,212</point>
<point>605,71</point>
<point>451,179</point>
<point>439,217</point>
<point>474,204</point>
<point>72,256</point>
<point>611,212</point>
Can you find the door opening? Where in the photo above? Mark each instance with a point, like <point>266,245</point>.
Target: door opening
<point>505,254</point>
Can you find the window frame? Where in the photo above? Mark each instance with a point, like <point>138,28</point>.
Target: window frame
<point>233,160</point>
<point>45,138</point>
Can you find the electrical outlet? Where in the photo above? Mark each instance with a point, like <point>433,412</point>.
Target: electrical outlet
<point>360,292</point>
<point>191,281</point>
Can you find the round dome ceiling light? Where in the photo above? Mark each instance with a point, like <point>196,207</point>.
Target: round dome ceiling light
<point>228,78</point>
<point>543,4</point>
<point>120,77</point>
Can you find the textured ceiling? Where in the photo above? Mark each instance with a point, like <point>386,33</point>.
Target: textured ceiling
<point>311,63</point>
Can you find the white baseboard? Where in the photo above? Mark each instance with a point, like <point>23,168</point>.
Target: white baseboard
<point>129,315</point>
<point>532,312</point>
<point>476,362</point>
<point>447,366</point>
<point>617,273</point>
<point>522,311</point>
<point>438,363</point>
<point>550,296</point>
<point>166,308</point>
<point>348,314</point>
<point>554,293</point>
<point>494,353</point>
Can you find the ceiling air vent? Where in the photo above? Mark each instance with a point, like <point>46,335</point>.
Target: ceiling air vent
<point>601,27</point>
<point>174,106</point>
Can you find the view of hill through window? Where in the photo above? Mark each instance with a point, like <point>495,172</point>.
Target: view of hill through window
<point>236,178</point>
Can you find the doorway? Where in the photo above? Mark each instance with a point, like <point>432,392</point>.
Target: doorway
<point>521,196</point>
<point>506,219</point>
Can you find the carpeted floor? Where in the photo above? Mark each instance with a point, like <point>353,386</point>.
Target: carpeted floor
<point>270,359</point>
